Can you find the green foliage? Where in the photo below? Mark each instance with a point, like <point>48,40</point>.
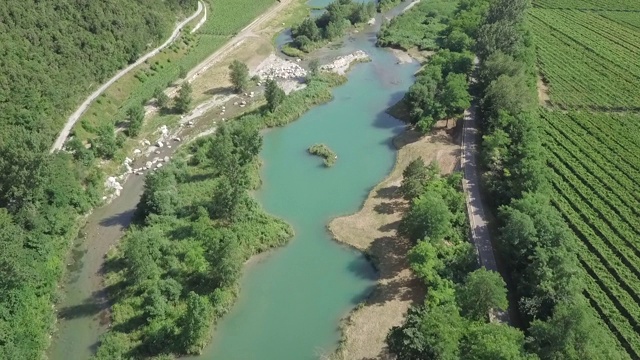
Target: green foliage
<point>183,101</point>
<point>312,33</point>
<point>384,5</point>
<point>535,242</point>
<point>440,90</point>
<point>428,334</point>
<point>239,75</point>
<point>573,333</point>
<point>104,145</point>
<point>274,95</point>
<point>162,100</point>
<point>422,26</point>
<point>482,292</point>
<point>178,269</point>
<point>439,330</point>
<point>135,117</point>
<point>324,152</point>
<point>416,176</point>
<point>429,216</point>
<point>494,341</point>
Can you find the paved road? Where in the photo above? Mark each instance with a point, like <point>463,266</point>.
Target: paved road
<point>62,137</point>
<point>471,184</point>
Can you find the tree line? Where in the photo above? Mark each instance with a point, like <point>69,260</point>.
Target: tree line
<point>533,238</point>
<point>534,241</point>
<point>453,322</point>
<point>52,53</point>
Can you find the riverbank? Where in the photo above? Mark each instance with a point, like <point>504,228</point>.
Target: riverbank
<point>372,230</point>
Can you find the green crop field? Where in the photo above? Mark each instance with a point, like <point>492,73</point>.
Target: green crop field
<point>589,58</point>
<point>587,53</point>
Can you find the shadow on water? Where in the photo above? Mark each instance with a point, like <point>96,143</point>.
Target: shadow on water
<point>122,219</point>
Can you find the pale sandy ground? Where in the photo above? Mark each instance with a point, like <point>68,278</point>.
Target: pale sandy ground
<point>543,92</point>
<point>373,231</point>
<point>402,56</point>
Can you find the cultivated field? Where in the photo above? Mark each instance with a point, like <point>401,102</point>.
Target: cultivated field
<point>588,55</point>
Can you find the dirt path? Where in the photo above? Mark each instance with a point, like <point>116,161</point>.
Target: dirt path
<point>248,31</point>
<point>373,231</point>
<point>62,137</point>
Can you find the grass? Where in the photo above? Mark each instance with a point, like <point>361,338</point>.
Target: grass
<point>324,152</point>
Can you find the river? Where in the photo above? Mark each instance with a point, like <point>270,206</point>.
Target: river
<point>292,299</point>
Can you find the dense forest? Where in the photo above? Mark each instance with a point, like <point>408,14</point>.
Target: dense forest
<point>556,322</point>
<point>52,54</point>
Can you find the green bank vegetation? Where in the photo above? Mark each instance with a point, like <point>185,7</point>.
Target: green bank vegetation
<point>441,87</point>
<point>453,322</point>
<point>537,247</point>
<point>176,270</point>
<point>313,33</point>
<point>53,53</point>
<point>324,152</point>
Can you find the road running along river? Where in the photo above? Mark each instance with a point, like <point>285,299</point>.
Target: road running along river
<point>292,300</point>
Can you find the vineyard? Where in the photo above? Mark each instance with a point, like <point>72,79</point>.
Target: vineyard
<point>602,50</point>
<point>587,53</point>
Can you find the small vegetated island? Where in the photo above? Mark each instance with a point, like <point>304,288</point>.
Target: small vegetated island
<point>324,152</point>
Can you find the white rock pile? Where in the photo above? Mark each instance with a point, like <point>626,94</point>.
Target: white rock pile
<point>113,184</point>
<point>341,64</point>
<point>278,68</point>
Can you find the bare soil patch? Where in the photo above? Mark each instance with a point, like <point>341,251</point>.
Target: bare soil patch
<point>373,231</point>
<point>543,92</point>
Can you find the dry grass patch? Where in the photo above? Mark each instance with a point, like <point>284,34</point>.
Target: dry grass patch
<point>373,231</point>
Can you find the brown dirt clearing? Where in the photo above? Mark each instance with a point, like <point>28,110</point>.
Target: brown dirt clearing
<point>373,231</point>
<point>543,92</point>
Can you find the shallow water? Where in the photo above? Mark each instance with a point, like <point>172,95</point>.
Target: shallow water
<point>292,300</point>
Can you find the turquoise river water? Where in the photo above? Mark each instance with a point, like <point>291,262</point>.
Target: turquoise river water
<point>292,300</point>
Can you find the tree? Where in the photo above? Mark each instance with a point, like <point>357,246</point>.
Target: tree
<point>573,333</point>
<point>196,322</point>
<point>135,117</point>
<point>414,178</point>
<point>429,216</point>
<point>482,292</point>
<point>493,342</point>
<point>496,65</point>
<point>454,96</point>
<point>458,41</point>
<point>183,101</point>
<point>239,76</point>
<point>432,333</point>
<point>162,100</point>
<point>426,262</point>
<point>308,28</point>
<point>104,145</point>
<point>314,67</point>
<point>501,36</point>
<point>274,94</point>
